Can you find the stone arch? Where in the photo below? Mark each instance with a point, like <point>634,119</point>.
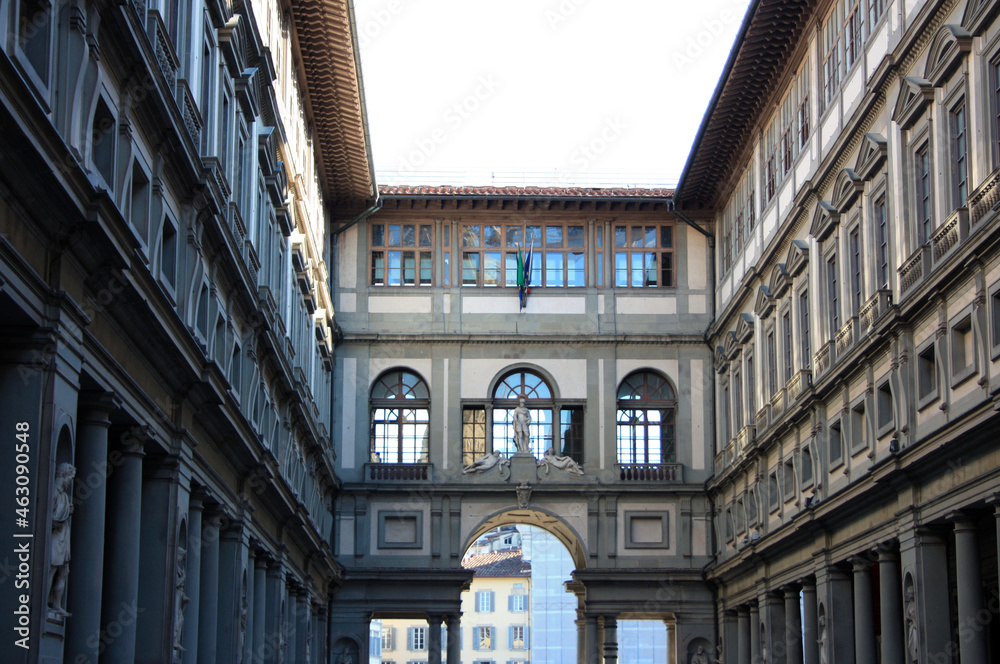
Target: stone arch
<point>540,518</point>
<point>547,376</point>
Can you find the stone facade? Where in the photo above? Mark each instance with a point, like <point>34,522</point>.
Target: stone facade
<point>855,338</point>
<point>166,331</point>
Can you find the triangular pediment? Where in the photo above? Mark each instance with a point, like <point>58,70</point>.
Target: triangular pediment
<point>732,346</point>
<point>846,189</point>
<point>872,155</point>
<point>950,45</point>
<point>797,259</point>
<point>744,328</point>
<point>825,219</point>
<point>779,282</point>
<point>978,14</point>
<point>764,303</point>
<point>720,360</point>
<point>914,95</point>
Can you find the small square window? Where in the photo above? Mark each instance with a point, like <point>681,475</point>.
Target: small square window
<point>836,444</point>
<point>884,408</point>
<point>859,434</point>
<point>927,378</point>
<point>963,351</point>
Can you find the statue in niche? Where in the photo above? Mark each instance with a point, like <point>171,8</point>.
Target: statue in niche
<point>62,509</point>
<point>345,657</point>
<point>719,660</point>
<point>181,600</point>
<point>560,462</point>
<point>821,641</point>
<point>910,618</point>
<point>485,462</point>
<point>699,656</point>
<point>242,638</point>
<point>522,422</point>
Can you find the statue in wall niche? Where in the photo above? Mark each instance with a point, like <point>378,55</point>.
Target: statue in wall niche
<point>485,462</point>
<point>181,600</point>
<point>910,617</point>
<point>62,508</point>
<point>522,422</point>
<point>345,658</point>
<point>244,607</point>
<point>699,656</point>
<point>561,462</point>
<point>821,641</point>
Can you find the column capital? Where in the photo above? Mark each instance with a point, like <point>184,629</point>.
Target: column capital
<point>196,499</point>
<point>888,556</point>
<point>961,520</point>
<point>95,407</point>
<point>808,585</point>
<point>792,588</point>
<point>743,610</point>
<point>860,564</point>
<point>994,500</point>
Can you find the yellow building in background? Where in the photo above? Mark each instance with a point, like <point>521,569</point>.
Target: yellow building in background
<point>496,611</point>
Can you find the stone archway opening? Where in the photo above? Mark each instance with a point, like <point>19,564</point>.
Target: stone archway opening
<point>537,518</point>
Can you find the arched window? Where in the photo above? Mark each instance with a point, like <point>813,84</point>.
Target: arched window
<point>400,405</point>
<point>537,398</point>
<point>645,419</point>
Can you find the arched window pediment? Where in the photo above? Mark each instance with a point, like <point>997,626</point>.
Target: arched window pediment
<point>797,258</point>
<point>950,45</point>
<point>846,189</point>
<point>978,14</point>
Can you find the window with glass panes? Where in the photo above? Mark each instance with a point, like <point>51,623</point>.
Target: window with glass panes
<point>922,174</point>
<point>832,294</point>
<point>400,405</point>
<point>490,251</point>
<point>854,247</point>
<point>959,156</point>
<point>473,434</point>
<point>882,241</point>
<point>832,53</point>
<point>645,423</point>
<point>402,254</point>
<point>571,432</point>
<point>644,256</point>
<point>539,402</point>
<point>786,333</point>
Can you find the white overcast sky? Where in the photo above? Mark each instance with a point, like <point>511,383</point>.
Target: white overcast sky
<point>590,92</point>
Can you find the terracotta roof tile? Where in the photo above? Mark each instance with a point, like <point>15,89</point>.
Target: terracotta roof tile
<point>498,563</point>
<point>525,192</point>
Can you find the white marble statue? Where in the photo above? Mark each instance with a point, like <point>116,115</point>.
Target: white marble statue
<point>821,641</point>
<point>699,656</point>
<point>522,422</point>
<point>62,508</point>
<point>561,462</point>
<point>484,463</point>
<point>912,635</point>
<point>181,600</point>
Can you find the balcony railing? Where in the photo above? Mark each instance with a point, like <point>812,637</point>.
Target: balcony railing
<point>763,417</point>
<point>915,268</point>
<point>798,384</point>
<point>638,472</point>
<point>189,111</point>
<point>984,199</point>
<point>824,358</point>
<point>163,48</point>
<point>398,472</point>
<point>873,309</point>
<point>846,337</point>
<point>745,439</point>
<point>950,234</point>
<point>778,403</point>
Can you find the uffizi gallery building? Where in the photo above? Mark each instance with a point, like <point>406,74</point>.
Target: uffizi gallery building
<point>253,401</point>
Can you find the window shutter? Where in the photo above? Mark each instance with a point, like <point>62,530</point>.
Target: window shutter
<point>475,638</point>
<point>527,637</point>
<point>478,599</point>
<point>409,638</point>
<point>493,635</point>
<point>510,602</point>
<point>493,606</point>
<point>510,637</point>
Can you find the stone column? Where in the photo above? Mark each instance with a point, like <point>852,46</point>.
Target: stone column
<point>743,648</point>
<point>87,533</point>
<point>610,640</point>
<point>890,607</point>
<point>209,594</point>
<point>810,630</point>
<point>302,619</point>
<point>246,654</point>
<point>291,627</point>
<point>274,636</point>
<point>593,653</point>
<point>454,639</point>
<point>232,610</point>
<point>754,634</point>
<point>833,590</point>
<point>923,556</point>
<point>259,604</point>
<point>774,649</point>
<point>192,615</point>
<point>434,639</point>
<point>864,621</point>
<point>972,644</point>
<point>793,625</point>
<point>581,637</point>
<point>728,639</point>
<point>120,603</point>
